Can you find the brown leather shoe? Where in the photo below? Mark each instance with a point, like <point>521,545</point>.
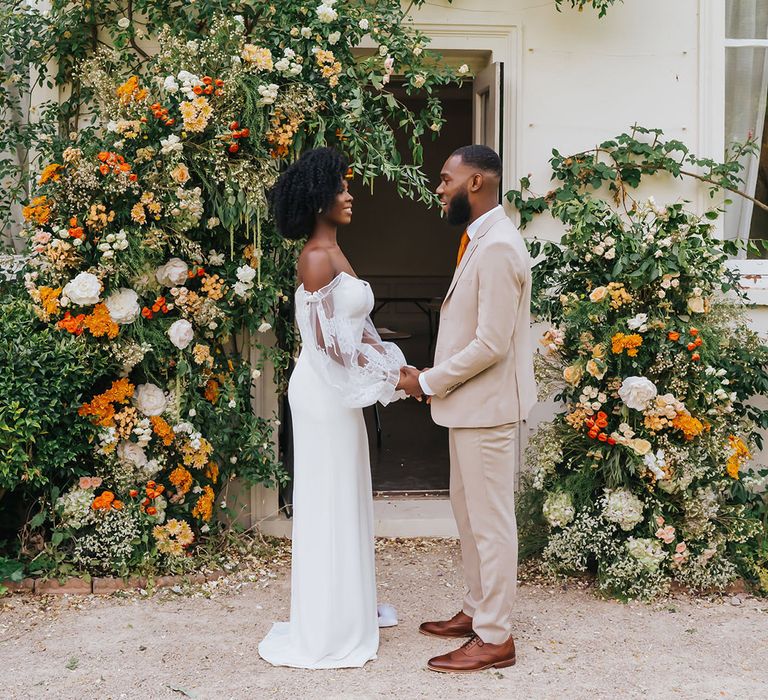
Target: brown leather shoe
<point>460,625</point>
<point>475,655</point>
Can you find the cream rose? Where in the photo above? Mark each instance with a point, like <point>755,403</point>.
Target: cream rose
<point>150,399</point>
<point>180,173</point>
<point>696,305</point>
<point>598,294</point>
<point>123,306</point>
<point>642,447</point>
<point>83,290</point>
<point>246,274</point>
<point>637,392</point>
<point>573,374</point>
<point>130,453</point>
<point>181,333</point>
<point>264,327</point>
<point>173,273</point>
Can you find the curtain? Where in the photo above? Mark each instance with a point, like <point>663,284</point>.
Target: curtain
<point>746,91</point>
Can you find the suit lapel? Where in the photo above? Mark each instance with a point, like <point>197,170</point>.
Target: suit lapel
<point>472,247</point>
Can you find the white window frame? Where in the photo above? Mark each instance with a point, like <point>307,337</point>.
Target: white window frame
<point>714,43</point>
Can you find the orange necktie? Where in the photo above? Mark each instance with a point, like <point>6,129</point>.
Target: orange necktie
<point>462,247</point>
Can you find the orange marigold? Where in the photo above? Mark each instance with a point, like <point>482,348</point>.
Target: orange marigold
<point>181,479</point>
<point>212,471</point>
<point>102,407</point>
<point>162,429</point>
<point>211,391</point>
<point>204,507</point>
<point>38,210</point>
<point>50,172</point>
<point>100,323</point>
<point>631,343</point>
<point>689,426</point>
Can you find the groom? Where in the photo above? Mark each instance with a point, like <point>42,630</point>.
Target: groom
<point>481,388</point>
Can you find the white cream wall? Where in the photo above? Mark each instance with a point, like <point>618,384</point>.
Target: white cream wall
<point>580,80</point>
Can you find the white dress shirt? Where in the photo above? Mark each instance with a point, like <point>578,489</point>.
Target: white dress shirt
<point>472,229</point>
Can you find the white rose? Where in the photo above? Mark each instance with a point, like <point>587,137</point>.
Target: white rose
<point>123,23</point>
<point>363,24</point>
<point>326,14</point>
<point>637,392</point>
<point>306,32</point>
<point>419,80</point>
<point>173,273</point>
<point>123,306</point>
<point>150,399</point>
<point>333,38</point>
<point>130,453</point>
<point>637,322</point>
<point>264,327</point>
<point>463,69</point>
<point>245,273</point>
<point>181,333</point>
<point>84,289</point>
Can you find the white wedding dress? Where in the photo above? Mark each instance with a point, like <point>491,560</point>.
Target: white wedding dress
<point>343,366</point>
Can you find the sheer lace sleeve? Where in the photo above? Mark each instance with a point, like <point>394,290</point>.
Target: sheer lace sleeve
<point>348,352</point>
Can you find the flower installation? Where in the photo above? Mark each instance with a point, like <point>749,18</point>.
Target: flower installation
<point>643,476</point>
<point>150,246</point>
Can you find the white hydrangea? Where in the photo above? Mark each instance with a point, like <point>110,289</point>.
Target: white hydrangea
<point>558,509</point>
<point>621,506</point>
<point>647,551</point>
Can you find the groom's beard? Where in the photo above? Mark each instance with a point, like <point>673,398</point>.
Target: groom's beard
<point>459,211</point>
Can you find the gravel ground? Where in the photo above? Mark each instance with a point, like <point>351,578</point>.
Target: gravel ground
<point>200,642</point>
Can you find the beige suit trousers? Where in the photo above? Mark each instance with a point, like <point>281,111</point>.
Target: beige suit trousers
<point>483,466</point>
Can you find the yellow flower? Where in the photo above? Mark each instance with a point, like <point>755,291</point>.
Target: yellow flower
<point>688,425</point>
<point>598,352</point>
<point>630,343</point>
<point>739,455</point>
<point>196,114</point>
<point>38,210</point>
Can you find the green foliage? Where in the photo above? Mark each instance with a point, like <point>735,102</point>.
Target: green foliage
<point>602,6</point>
<point>42,439</point>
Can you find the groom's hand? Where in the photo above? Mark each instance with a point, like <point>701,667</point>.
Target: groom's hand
<point>409,382</point>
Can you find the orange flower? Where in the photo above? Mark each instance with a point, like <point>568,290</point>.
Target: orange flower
<point>212,391</point>
<point>102,408</point>
<point>38,210</point>
<point>673,336</point>
<point>204,507</point>
<point>181,479</point>
<point>739,455</point>
<point>50,172</point>
<point>72,324</point>
<point>162,429</point>
<point>212,471</point>
<point>688,425</point>
<point>630,343</point>
<point>100,323</point>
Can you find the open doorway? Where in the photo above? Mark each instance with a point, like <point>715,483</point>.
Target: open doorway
<point>408,254</point>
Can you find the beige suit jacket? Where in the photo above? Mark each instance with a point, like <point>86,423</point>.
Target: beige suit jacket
<point>483,373</point>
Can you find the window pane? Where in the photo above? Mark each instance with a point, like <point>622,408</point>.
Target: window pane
<point>746,94</point>
<point>746,19</point>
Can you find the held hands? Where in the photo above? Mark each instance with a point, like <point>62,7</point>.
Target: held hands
<point>409,382</point>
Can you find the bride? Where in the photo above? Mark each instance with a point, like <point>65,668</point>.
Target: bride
<point>342,367</point>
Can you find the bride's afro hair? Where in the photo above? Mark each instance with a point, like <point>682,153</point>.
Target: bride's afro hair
<point>307,187</point>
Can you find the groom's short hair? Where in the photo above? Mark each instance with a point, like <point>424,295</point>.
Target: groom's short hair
<point>480,157</point>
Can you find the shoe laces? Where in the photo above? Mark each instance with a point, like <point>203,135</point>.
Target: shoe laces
<point>472,641</point>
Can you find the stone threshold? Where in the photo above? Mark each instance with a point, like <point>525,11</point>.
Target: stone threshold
<point>104,585</point>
